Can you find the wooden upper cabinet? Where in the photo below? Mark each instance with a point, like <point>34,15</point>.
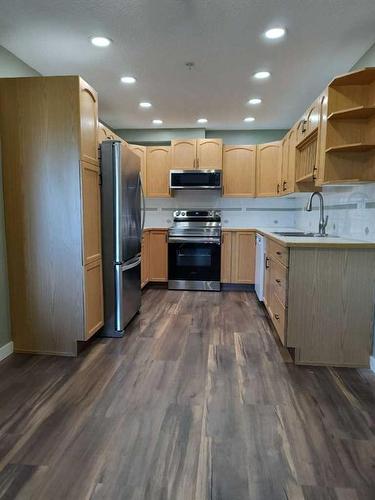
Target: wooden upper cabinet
<point>141,152</point>
<point>243,257</point>
<point>268,169</point>
<point>158,255</point>
<point>291,172</point>
<point>288,148</point>
<point>313,116</point>
<point>104,133</point>
<point>284,165</point>
<point>91,212</point>
<point>184,153</point>
<point>89,123</point>
<point>239,170</point>
<point>158,167</point>
<point>210,154</point>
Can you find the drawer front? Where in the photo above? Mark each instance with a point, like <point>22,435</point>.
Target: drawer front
<point>278,316</point>
<point>278,252</point>
<point>279,281</point>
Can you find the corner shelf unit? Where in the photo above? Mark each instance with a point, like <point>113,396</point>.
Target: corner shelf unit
<point>350,128</point>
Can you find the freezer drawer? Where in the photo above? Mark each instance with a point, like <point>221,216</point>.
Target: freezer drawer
<point>128,291</point>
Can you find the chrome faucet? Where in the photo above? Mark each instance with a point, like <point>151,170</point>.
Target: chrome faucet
<point>322,221</point>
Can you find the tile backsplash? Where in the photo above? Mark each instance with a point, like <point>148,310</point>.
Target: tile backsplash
<point>350,210</point>
<point>236,212</point>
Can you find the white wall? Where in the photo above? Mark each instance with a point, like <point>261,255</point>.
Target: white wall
<point>10,65</point>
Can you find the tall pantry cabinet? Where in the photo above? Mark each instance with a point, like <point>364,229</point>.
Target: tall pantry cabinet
<point>51,177</point>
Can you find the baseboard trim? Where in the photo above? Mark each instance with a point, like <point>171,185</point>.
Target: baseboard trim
<point>6,350</point>
<point>372,363</point>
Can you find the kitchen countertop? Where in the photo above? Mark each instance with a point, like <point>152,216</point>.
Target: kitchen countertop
<point>311,241</point>
<point>293,241</point>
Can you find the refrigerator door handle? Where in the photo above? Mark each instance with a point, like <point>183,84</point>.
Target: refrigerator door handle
<point>143,205</point>
<point>117,200</point>
<point>131,263</point>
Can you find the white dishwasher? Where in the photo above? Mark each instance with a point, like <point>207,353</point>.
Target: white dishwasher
<point>259,267</point>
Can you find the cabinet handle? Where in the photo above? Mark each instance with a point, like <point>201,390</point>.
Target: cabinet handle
<point>278,281</point>
<point>277,317</point>
<point>284,185</point>
<point>314,170</point>
<point>267,262</point>
<point>278,253</point>
<point>278,188</point>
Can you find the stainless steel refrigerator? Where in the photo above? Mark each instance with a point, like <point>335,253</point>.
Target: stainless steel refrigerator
<point>122,226</point>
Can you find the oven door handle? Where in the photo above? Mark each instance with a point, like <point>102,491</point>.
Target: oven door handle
<point>192,239</point>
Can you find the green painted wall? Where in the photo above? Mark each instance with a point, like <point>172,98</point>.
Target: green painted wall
<point>164,136</point>
<point>10,65</point>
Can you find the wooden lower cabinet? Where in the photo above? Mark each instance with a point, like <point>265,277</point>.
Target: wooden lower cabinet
<point>320,301</point>
<point>145,256</point>
<point>94,313</point>
<point>238,257</point>
<point>158,255</point>
<point>226,257</point>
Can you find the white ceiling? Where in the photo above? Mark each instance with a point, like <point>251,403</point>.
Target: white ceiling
<point>153,39</point>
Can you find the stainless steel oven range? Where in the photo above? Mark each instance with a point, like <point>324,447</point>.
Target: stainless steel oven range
<point>194,252</point>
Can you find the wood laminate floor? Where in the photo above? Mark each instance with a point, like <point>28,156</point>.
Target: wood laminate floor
<point>198,402</point>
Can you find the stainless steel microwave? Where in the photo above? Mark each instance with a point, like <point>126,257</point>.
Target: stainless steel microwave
<point>195,179</point>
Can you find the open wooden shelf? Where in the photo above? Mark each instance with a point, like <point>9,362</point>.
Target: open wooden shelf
<point>306,178</point>
<point>347,148</point>
<point>353,113</point>
<point>364,76</point>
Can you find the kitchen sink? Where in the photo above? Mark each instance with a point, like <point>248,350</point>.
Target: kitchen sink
<point>293,233</point>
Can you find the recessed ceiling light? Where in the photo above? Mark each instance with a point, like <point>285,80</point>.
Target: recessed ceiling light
<point>255,100</point>
<point>249,119</point>
<point>202,120</point>
<point>100,41</point>
<point>274,33</point>
<point>260,75</point>
<point>145,104</point>
<point>157,122</point>
<point>128,79</point>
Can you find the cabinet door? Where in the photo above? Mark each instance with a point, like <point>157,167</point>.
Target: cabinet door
<point>226,257</point>
<point>158,262</point>
<point>91,212</point>
<point>268,169</point>
<point>322,134</point>
<point>145,247</point>
<point>104,134</point>
<point>94,314</point>
<point>89,123</point>
<point>239,170</point>
<point>157,171</point>
<point>267,278</point>
<point>184,153</point>
<point>289,187</point>
<point>210,154</point>
<point>243,263</point>
<point>284,165</point>
<point>313,116</point>
<point>141,152</point>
